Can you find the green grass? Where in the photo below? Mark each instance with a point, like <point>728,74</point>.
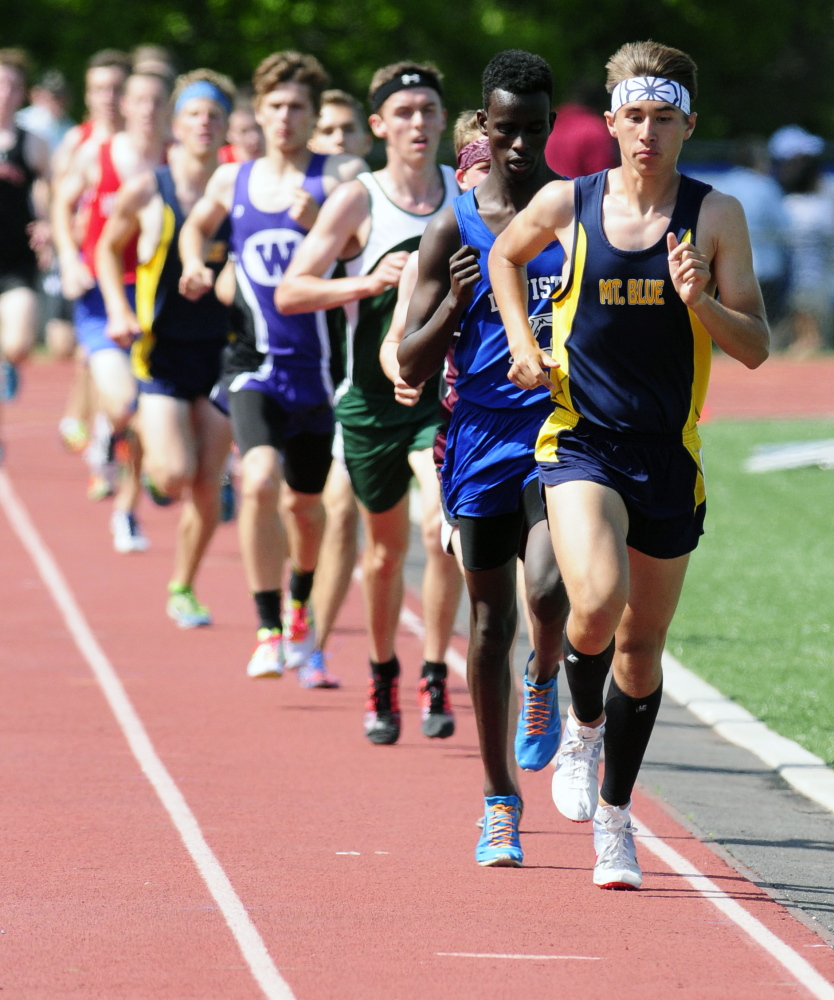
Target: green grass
<point>756,617</point>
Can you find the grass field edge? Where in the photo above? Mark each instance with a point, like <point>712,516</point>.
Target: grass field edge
<point>803,770</point>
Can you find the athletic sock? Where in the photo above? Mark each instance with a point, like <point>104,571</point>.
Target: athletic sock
<point>628,726</point>
<point>268,605</point>
<point>301,585</point>
<point>586,678</point>
<point>386,671</point>
<point>435,671</point>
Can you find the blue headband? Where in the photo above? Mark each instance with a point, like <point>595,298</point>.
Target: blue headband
<point>203,88</point>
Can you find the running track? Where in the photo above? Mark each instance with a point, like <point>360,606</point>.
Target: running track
<point>349,867</point>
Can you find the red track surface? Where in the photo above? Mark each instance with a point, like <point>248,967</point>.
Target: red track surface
<point>782,387</point>
<point>101,900</point>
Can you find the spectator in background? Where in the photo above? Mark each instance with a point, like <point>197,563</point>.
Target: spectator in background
<point>768,222</point>
<point>798,164</point>
<point>46,114</point>
<point>580,142</point>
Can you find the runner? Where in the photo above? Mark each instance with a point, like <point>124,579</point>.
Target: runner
<point>373,224</point>
<point>619,456</point>
<point>244,135</point>
<point>490,481</point>
<point>104,82</point>
<point>99,171</point>
<point>276,376</point>
<point>341,128</point>
<point>24,161</point>
<point>176,358</point>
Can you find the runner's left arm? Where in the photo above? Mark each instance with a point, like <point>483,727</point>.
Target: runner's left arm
<point>737,322</point>
<point>403,392</point>
<point>447,277</point>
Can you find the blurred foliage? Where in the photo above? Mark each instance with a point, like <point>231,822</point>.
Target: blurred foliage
<point>762,62</point>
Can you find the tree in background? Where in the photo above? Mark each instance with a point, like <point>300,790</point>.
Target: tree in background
<point>761,60</point>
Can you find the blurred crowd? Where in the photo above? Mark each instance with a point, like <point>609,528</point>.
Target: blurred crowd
<point>789,203</point>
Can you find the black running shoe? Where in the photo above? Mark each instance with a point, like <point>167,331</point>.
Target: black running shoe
<point>435,708</point>
<point>382,711</point>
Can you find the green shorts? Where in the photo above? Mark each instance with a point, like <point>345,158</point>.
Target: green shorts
<point>377,460</point>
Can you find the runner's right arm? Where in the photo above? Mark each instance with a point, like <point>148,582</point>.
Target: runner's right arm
<point>549,215</point>
<point>202,223</point>
<point>123,224</point>
<point>76,278</point>
<point>447,278</point>
<point>304,287</point>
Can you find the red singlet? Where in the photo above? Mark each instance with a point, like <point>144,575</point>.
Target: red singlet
<point>99,208</point>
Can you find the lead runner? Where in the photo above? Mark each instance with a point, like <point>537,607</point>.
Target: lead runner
<point>620,456</point>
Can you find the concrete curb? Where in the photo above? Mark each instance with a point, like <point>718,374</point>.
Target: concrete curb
<point>806,772</point>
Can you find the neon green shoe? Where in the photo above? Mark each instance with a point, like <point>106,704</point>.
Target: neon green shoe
<point>185,609</point>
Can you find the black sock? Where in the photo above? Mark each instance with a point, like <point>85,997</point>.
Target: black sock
<point>628,726</point>
<point>268,605</point>
<point>435,671</point>
<point>301,585</point>
<point>586,678</point>
<point>386,671</point>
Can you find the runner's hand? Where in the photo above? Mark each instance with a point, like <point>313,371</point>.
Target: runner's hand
<point>387,272</point>
<point>531,368</point>
<point>124,328</point>
<point>196,280</point>
<point>465,273</point>
<point>76,278</point>
<point>403,393</point>
<point>689,270</point>
<point>304,208</point>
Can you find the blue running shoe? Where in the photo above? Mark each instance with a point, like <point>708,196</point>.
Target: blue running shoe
<point>228,500</point>
<point>539,726</point>
<point>314,674</point>
<point>9,381</point>
<point>499,846</point>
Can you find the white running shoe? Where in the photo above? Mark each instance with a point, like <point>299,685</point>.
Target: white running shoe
<point>267,658</point>
<point>575,786</point>
<point>127,535</point>
<point>616,866</point>
<point>299,634</point>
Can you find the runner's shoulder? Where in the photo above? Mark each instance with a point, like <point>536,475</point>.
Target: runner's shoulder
<point>343,167</point>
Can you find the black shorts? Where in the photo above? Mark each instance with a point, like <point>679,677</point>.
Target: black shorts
<point>22,276</point>
<point>183,369</point>
<point>303,437</point>
<point>491,541</point>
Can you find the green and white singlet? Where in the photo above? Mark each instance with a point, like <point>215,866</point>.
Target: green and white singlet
<point>367,397</point>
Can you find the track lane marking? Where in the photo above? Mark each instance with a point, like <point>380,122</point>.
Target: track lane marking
<point>529,958</point>
<point>244,932</point>
<point>791,960</point>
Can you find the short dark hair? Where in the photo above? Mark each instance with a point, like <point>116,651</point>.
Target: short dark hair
<point>517,72</point>
<point>109,59</point>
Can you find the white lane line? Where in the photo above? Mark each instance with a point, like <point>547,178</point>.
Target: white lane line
<point>806,772</point>
<point>802,970</point>
<point>795,964</point>
<point>243,930</point>
<point>529,958</point>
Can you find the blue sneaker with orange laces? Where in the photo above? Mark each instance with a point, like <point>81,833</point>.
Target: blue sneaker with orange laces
<point>499,846</point>
<point>539,725</point>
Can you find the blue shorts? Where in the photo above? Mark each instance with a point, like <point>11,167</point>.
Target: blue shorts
<point>659,477</point>
<point>90,320</point>
<point>490,458</point>
<point>185,370</point>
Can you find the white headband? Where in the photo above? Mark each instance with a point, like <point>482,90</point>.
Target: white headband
<point>650,88</point>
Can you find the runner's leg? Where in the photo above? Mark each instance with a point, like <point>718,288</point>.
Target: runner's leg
<point>337,559</point>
